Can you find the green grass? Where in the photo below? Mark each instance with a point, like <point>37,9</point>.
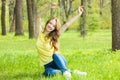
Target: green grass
<point>19,59</point>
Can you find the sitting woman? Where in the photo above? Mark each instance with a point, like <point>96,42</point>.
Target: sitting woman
<point>48,49</point>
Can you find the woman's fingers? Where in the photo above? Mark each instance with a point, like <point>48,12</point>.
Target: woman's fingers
<point>53,5</point>
<point>80,9</point>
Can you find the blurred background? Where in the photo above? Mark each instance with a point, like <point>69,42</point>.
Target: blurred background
<point>96,16</point>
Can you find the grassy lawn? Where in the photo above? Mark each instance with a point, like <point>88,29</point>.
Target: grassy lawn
<point>19,59</point>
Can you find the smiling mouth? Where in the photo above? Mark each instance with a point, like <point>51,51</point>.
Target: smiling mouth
<point>49,28</point>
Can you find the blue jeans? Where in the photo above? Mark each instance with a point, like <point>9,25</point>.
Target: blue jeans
<point>57,66</point>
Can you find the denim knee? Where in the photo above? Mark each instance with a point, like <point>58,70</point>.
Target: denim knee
<point>59,55</point>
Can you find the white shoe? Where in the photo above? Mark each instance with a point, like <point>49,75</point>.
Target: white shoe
<point>67,74</point>
<point>80,73</point>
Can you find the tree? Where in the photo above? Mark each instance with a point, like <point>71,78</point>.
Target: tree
<point>31,17</point>
<point>51,10</point>
<point>89,6</point>
<point>67,4</point>
<point>89,3</point>
<point>83,27</point>
<point>12,15</point>
<point>66,8</point>
<point>18,18</point>
<point>115,25</point>
<point>101,7</point>
<point>3,24</point>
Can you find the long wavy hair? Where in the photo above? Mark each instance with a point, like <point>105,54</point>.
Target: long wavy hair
<point>54,35</point>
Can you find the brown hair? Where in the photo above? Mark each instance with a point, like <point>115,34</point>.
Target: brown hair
<point>54,35</point>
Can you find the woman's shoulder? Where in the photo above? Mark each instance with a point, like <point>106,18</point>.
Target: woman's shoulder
<point>41,34</point>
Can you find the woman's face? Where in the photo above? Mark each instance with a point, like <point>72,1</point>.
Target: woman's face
<point>51,25</point>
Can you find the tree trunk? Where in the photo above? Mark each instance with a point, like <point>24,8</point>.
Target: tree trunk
<point>83,27</point>
<point>89,3</point>
<point>3,24</point>
<point>115,25</point>
<point>70,6</point>
<point>101,7</point>
<point>12,25</point>
<point>30,8</point>
<point>89,7</point>
<point>67,4</point>
<point>51,10</point>
<point>12,16</point>
<point>62,13</point>
<point>66,8</point>
<point>19,18</point>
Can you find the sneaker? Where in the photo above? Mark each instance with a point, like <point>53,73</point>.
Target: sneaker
<point>80,73</point>
<point>67,74</point>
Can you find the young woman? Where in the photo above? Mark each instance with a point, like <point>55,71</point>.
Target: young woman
<point>48,48</point>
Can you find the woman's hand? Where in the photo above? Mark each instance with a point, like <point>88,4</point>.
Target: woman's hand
<point>80,10</point>
<point>53,5</point>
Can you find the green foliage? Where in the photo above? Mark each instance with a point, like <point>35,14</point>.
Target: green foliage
<point>93,21</point>
<point>105,19</point>
<point>25,25</point>
<point>19,59</point>
<point>96,21</point>
<point>105,23</point>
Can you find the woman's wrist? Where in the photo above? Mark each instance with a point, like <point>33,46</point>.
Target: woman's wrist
<point>80,10</point>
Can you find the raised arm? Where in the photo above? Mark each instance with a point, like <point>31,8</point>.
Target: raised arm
<point>38,28</point>
<point>66,25</point>
<point>53,6</point>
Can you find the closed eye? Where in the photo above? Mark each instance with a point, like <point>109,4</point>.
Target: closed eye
<point>51,23</point>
